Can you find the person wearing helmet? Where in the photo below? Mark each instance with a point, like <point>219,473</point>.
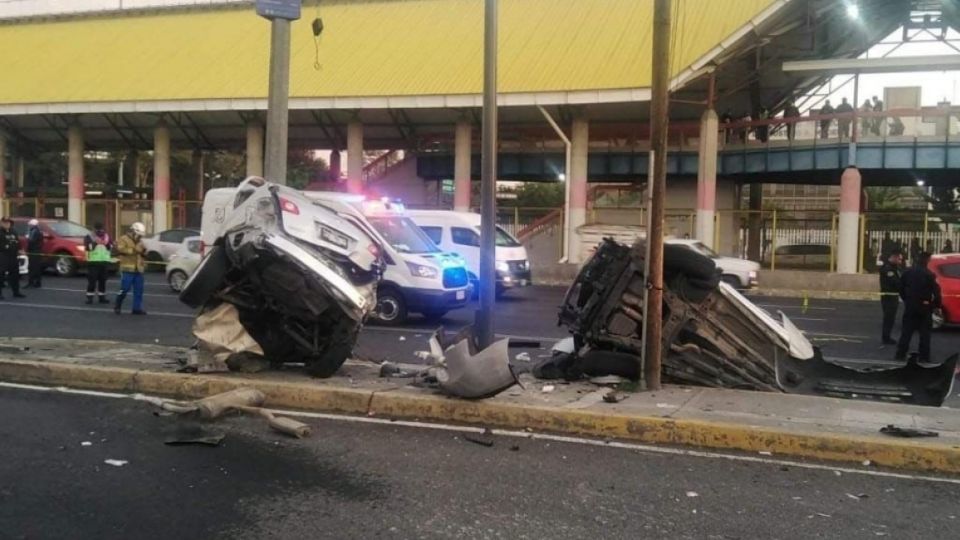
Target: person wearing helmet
<point>97,246</point>
<point>34,254</point>
<point>130,250</point>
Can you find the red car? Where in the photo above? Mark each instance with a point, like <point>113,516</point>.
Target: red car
<point>947,270</point>
<point>62,243</point>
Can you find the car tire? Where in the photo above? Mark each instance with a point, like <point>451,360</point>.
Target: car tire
<point>685,261</point>
<point>177,279</point>
<point>326,364</point>
<point>66,265</point>
<point>206,279</point>
<point>732,281</point>
<point>938,319</point>
<point>154,262</point>
<point>391,307</point>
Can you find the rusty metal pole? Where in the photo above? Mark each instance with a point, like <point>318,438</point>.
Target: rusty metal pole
<point>652,346</point>
<point>488,180</point>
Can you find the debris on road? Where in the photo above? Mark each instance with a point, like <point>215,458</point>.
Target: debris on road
<point>483,439</point>
<point>614,397</point>
<point>692,494</point>
<point>467,372</point>
<point>194,436</point>
<point>905,432</point>
<point>522,357</point>
<point>608,380</point>
<point>116,462</point>
<point>547,388</point>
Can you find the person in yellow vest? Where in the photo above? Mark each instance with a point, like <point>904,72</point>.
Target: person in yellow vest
<point>130,250</point>
<point>98,247</point>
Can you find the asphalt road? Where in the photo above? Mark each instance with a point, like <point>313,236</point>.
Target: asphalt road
<point>846,329</point>
<point>352,480</point>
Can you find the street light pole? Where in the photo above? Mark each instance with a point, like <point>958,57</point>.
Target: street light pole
<point>653,315</point>
<point>277,101</point>
<point>488,178</point>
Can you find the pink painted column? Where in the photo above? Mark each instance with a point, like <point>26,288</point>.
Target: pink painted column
<point>461,166</point>
<point>848,238</point>
<point>161,178</point>
<point>577,176</point>
<point>707,178</point>
<point>75,178</point>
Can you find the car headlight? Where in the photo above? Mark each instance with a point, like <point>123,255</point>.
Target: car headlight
<point>503,266</point>
<point>420,270</point>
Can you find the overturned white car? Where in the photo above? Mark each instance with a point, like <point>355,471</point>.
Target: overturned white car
<point>301,275</point>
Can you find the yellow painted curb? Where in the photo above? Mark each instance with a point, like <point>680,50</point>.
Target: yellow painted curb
<point>406,404</point>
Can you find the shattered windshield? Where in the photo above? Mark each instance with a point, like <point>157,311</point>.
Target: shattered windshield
<point>403,234</point>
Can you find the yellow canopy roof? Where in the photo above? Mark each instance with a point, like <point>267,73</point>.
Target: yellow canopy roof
<point>368,48</point>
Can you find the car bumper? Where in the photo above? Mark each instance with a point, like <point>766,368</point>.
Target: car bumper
<point>432,299</point>
<point>512,280</point>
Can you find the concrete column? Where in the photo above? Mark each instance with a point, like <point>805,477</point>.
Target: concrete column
<point>707,178</point>
<point>254,150</point>
<point>75,187</point>
<point>198,166</point>
<point>355,157</point>
<point>754,220</point>
<point>3,172</point>
<point>461,166</point>
<point>848,238</point>
<point>577,176</point>
<point>161,178</point>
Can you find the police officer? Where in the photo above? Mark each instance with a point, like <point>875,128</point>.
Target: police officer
<point>890,292</point>
<point>9,265</point>
<point>921,297</point>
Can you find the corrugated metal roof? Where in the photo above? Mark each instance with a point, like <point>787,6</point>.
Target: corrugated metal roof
<point>368,48</point>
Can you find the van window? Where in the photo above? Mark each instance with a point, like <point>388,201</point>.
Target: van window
<point>465,237</point>
<point>403,234</point>
<point>435,233</point>
<point>504,239</point>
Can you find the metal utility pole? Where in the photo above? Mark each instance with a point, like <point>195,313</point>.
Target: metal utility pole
<point>653,315</point>
<point>488,178</point>
<point>279,13</point>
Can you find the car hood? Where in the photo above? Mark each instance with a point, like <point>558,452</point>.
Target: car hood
<point>729,264</point>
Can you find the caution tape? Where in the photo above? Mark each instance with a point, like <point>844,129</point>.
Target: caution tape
<point>146,262</point>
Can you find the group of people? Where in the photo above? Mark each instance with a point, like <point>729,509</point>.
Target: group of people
<point>791,113</point>
<point>868,124</point>
<point>100,250</point>
<point>917,288</point>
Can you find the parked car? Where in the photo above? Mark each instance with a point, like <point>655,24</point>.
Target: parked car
<point>738,273</point>
<point>161,246</point>
<point>802,256</point>
<point>62,243</point>
<point>183,263</point>
<point>947,270</point>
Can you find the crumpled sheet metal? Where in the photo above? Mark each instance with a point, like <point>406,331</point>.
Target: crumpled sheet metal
<point>474,376</point>
<point>220,333</point>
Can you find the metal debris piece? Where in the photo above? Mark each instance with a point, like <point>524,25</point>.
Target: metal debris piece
<point>614,397</point>
<point>905,432</point>
<point>187,436</point>
<point>475,375</point>
<point>483,439</point>
<point>116,462</point>
<point>216,405</point>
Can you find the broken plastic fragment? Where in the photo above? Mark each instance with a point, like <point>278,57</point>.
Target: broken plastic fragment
<point>116,462</point>
<point>523,357</point>
<point>86,443</point>
<point>547,388</point>
<point>692,494</point>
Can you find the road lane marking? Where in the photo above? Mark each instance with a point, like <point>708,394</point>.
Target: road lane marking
<point>109,293</point>
<point>540,437</point>
<point>15,304</point>
<point>781,306</point>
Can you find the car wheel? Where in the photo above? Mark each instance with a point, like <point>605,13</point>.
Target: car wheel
<point>732,281</point>
<point>177,279</point>
<point>66,265</point>
<point>154,262</point>
<point>333,357</point>
<point>391,307</point>
<point>206,279</point>
<point>937,319</point>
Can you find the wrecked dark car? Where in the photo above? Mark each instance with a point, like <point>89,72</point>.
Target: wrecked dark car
<point>712,335</point>
<point>284,278</point>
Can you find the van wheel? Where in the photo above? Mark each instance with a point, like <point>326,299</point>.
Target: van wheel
<point>66,265</point>
<point>732,281</point>
<point>391,308</point>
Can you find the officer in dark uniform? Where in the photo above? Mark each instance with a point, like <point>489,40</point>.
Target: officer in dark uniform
<point>9,249</point>
<point>890,292</point>
<point>921,297</point>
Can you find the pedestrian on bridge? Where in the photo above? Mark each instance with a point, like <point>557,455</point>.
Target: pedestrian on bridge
<point>921,298</point>
<point>879,121</point>
<point>844,123</point>
<point>9,251</point>
<point>34,254</point>
<point>791,113</point>
<point>130,250</point>
<point>866,123</point>
<point>98,247</point>
<point>825,123</point>
<point>890,292</point>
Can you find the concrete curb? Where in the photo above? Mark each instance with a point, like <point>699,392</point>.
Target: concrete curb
<point>406,404</point>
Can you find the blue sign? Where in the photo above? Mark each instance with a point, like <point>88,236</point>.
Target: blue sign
<point>279,9</point>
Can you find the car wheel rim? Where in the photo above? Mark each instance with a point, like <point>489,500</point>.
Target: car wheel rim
<point>63,265</point>
<point>177,280</point>
<point>388,309</point>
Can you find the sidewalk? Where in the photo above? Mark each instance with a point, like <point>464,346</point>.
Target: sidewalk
<point>778,424</point>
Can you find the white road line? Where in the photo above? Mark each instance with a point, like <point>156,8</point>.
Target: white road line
<point>780,306</point>
<point>110,292</point>
<point>16,304</point>
<point>541,437</point>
